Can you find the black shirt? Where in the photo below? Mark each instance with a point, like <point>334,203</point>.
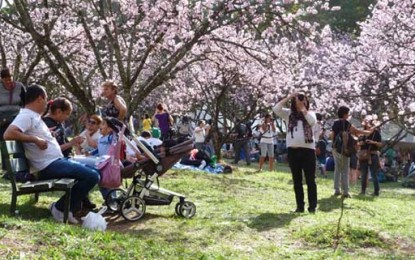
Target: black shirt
<point>340,125</point>
<point>59,133</point>
<point>375,136</point>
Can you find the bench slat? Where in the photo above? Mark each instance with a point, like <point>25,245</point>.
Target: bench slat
<point>19,165</point>
<point>64,183</point>
<point>35,185</point>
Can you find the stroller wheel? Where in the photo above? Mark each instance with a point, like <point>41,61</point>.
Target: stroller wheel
<point>133,208</point>
<point>114,199</point>
<point>176,209</point>
<point>186,209</point>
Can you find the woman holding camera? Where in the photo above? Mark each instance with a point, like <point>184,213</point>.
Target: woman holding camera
<point>370,144</point>
<point>266,142</point>
<point>300,144</point>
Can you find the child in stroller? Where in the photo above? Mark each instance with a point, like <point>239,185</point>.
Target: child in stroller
<point>142,191</point>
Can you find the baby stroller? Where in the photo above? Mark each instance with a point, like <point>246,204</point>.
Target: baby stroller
<point>409,180</point>
<point>143,191</point>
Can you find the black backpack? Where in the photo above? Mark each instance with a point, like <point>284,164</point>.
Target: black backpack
<point>243,130</point>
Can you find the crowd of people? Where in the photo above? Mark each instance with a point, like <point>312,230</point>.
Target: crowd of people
<point>27,115</point>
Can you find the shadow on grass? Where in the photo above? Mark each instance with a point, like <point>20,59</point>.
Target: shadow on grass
<point>331,203</point>
<point>26,211</point>
<point>268,221</point>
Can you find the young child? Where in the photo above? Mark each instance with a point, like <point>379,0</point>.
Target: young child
<point>109,129</point>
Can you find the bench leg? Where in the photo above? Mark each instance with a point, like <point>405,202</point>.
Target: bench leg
<point>67,205</point>
<point>36,197</point>
<point>13,205</point>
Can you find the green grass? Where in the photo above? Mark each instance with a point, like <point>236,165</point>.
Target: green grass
<point>244,215</point>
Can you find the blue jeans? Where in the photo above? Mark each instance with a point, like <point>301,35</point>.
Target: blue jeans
<point>86,177</point>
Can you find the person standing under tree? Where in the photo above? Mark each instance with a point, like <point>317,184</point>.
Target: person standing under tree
<point>371,144</point>
<point>12,95</point>
<point>146,122</point>
<point>200,133</point>
<point>321,152</point>
<point>242,136</point>
<point>266,143</point>
<point>300,144</point>
<point>116,107</point>
<point>341,161</point>
<point>164,119</point>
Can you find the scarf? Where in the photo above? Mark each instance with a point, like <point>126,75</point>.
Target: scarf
<point>292,124</point>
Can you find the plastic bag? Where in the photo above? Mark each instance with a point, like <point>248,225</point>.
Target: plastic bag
<point>95,221</point>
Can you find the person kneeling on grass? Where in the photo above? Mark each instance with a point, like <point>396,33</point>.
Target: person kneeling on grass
<point>45,155</point>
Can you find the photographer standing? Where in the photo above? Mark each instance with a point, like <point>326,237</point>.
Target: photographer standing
<point>266,143</point>
<point>300,144</point>
<point>12,98</point>
<point>370,144</point>
<point>200,133</point>
<point>242,136</point>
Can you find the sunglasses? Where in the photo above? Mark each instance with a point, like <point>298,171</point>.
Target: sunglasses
<point>301,97</point>
<point>92,122</point>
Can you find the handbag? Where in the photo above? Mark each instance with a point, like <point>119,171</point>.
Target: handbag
<point>364,155</point>
<point>110,168</point>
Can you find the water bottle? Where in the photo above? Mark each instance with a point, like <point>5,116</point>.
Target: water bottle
<point>214,160</point>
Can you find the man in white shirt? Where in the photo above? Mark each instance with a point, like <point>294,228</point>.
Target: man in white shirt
<point>45,155</point>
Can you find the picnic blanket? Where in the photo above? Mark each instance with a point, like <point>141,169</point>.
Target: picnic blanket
<point>217,169</point>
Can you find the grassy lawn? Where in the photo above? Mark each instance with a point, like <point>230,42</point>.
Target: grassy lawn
<point>243,215</point>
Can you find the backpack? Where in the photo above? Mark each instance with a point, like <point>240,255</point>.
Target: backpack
<point>242,130</point>
<point>344,143</point>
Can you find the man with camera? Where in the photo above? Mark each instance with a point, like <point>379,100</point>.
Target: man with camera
<point>242,135</point>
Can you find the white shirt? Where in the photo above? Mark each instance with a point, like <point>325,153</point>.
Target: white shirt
<point>297,138</point>
<point>199,135</point>
<point>267,136</point>
<point>84,145</point>
<point>317,131</point>
<point>31,123</point>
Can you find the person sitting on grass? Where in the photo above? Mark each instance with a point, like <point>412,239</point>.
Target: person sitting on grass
<point>45,155</point>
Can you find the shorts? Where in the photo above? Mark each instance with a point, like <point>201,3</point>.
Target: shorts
<point>267,148</point>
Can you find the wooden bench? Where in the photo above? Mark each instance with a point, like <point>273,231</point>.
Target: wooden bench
<point>17,163</point>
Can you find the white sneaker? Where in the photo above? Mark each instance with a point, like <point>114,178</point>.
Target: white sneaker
<point>57,214</point>
<point>72,219</point>
<point>202,165</point>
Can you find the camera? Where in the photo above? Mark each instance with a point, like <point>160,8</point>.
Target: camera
<point>301,97</point>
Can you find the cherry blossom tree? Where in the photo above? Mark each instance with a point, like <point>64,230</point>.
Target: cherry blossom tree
<point>385,62</point>
<point>18,53</point>
<point>142,44</point>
